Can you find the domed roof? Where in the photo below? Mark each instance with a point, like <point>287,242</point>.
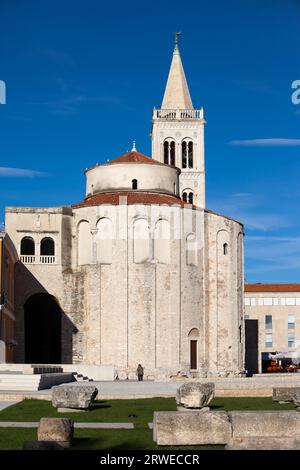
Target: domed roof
<point>135,172</point>
<point>134,157</point>
<point>131,157</point>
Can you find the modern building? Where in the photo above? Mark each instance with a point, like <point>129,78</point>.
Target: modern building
<point>272,321</point>
<point>8,258</point>
<point>140,271</point>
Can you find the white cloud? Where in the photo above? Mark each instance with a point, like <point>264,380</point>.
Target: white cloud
<point>69,106</point>
<point>264,222</point>
<point>243,207</point>
<point>276,142</point>
<point>272,253</point>
<point>6,172</point>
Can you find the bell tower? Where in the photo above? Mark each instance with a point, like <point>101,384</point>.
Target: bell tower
<point>178,133</point>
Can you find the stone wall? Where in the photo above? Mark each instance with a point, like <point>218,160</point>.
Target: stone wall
<point>123,313</point>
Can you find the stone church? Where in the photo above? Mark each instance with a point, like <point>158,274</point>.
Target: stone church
<point>140,271</point>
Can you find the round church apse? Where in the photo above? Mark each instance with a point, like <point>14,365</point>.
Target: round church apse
<point>42,316</point>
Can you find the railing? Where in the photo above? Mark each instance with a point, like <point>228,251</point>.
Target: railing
<point>32,259</point>
<point>27,259</point>
<point>47,259</point>
<point>178,114</point>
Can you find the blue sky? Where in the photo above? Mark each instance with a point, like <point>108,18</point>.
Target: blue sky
<point>82,79</point>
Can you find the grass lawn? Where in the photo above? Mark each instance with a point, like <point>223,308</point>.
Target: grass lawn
<point>139,412</point>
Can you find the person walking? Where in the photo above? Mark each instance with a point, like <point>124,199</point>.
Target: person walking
<point>140,372</point>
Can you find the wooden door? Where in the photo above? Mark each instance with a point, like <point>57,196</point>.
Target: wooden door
<point>194,364</point>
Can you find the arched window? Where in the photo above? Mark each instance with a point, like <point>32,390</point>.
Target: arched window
<point>27,246</point>
<point>104,241</point>
<point>141,241</point>
<point>166,152</point>
<point>172,153</point>
<point>134,184</point>
<point>85,243</point>
<point>190,155</point>
<point>187,154</point>
<point>225,249</point>
<point>184,197</point>
<point>162,241</point>
<point>191,249</point>
<point>47,247</point>
<point>169,152</point>
<point>183,155</point>
<point>191,198</point>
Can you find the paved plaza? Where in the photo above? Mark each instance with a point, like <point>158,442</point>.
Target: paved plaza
<point>260,386</point>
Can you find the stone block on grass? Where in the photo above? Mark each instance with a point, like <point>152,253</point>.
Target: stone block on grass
<point>59,430</point>
<point>76,397</point>
<point>285,394</point>
<point>264,443</point>
<point>265,424</point>
<point>195,395</point>
<point>191,428</point>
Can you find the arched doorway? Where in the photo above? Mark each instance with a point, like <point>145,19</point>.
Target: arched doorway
<point>42,317</point>
<point>193,338</point>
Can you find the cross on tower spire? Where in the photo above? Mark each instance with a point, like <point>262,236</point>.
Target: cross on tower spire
<point>176,34</point>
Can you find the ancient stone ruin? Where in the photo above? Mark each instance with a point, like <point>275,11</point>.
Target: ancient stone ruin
<point>236,429</point>
<point>73,398</point>
<point>195,395</point>
<point>285,394</point>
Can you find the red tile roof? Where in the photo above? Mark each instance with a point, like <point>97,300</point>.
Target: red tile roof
<point>132,198</point>
<point>134,157</point>
<point>131,157</point>
<point>272,287</point>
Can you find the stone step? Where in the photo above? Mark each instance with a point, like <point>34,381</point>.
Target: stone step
<point>17,377</point>
<point>33,382</point>
<point>21,380</point>
<point>18,388</point>
<point>82,378</point>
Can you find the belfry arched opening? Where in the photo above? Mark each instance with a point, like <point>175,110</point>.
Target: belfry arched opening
<point>42,317</point>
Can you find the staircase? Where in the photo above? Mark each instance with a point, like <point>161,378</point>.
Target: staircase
<point>32,382</point>
<point>82,378</point>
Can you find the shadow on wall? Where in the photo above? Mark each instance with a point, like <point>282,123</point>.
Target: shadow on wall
<point>44,333</point>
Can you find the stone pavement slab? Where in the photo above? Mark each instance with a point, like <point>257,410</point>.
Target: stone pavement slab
<point>6,404</point>
<point>104,425</point>
<point>132,389</point>
<point>15,424</point>
<point>22,424</point>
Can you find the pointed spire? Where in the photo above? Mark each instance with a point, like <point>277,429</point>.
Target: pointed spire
<point>133,147</point>
<point>176,48</point>
<point>177,95</point>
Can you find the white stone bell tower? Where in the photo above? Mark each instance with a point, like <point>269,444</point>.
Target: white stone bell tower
<point>178,133</point>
